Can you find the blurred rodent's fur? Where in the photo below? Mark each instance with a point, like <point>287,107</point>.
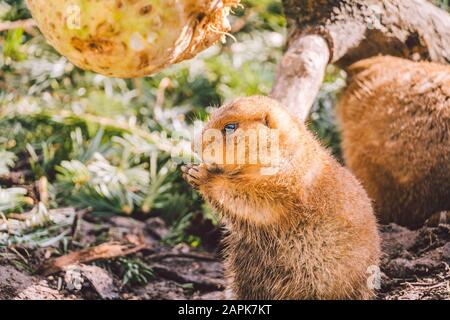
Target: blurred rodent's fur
<point>395,121</point>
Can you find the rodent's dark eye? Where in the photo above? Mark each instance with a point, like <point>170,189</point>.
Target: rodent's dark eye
<point>230,128</point>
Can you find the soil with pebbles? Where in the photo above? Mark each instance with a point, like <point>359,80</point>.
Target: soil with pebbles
<point>415,265</point>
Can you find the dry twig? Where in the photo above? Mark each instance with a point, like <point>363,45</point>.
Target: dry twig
<point>101,252</point>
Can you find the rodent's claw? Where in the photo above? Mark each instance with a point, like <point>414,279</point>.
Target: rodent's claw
<point>191,174</point>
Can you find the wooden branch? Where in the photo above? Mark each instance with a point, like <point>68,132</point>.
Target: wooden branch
<point>352,30</point>
<point>300,73</point>
<point>359,29</point>
<point>103,251</point>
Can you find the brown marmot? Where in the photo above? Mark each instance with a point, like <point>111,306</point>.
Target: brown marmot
<point>305,230</point>
<point>395,120</point>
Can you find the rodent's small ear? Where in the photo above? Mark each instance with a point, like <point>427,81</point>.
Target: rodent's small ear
<point>268,121</point>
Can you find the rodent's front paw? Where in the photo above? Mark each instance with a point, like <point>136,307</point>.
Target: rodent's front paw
<point>193,175</point>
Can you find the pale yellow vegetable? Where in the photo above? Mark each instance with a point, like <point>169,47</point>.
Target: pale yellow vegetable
<point>131,38</point>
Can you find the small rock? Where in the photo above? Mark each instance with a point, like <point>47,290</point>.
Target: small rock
<point>73,278</point>
<point>157,227</point>
<point>446,253</point>
<point>426,265</point>
<point>398,268</point>
<point>127,228</point>
<point>127,223</point>
<point>397,240</point>
<point>41,291</point>
<point>101,281</point>
<point>13,281</point>
<point>182,248</point>
<point>403,268</point>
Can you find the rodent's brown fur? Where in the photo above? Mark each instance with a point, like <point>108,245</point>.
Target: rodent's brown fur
<point>306,232</point>
<point>395,120</point>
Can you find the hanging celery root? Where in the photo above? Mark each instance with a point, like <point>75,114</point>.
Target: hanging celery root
<point>131,38</point>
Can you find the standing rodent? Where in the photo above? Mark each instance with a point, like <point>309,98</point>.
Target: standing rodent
<point>395,119</point>
<point>303,231</point>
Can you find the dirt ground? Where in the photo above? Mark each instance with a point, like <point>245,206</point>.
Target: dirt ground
<point>415,266</point>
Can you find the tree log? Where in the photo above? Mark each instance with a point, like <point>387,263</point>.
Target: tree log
<point>300,73</point>
<point>345,31</point>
